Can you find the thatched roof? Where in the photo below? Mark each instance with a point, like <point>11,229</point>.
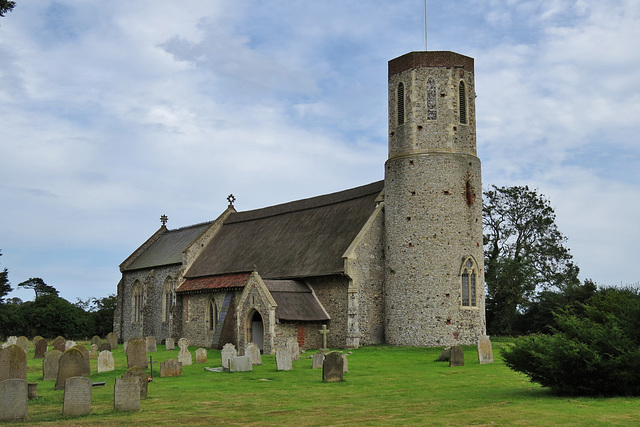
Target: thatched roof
<point>298,239</point>
<point>295,301</point>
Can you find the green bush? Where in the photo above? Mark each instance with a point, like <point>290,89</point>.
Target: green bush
<point>593,351</point>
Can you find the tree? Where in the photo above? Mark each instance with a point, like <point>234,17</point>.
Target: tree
<point>39,287</point>
<point>6,6</point>
<point>524,254</point>
<point>5,286</point>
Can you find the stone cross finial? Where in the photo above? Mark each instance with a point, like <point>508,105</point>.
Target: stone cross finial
<point>231,198</point>
<point>164,219</point>
<point>324,331</point>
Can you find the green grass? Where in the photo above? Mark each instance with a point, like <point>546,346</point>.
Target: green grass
<point>386,385</point>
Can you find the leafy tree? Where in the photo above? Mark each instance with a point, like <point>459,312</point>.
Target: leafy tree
<point>6,6</point>
<point>39,287</point>
<point>524,253</point>
<point>49,315</point>
<point>101,310</point>
<point>5,287</point>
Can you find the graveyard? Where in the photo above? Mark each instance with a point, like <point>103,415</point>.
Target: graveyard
<point>384,385</point>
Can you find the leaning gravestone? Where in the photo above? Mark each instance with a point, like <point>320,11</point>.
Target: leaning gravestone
<point>283,360</point>
<point>253,351</point>
<point>137,354</point>
<point>240,364</point>
<point>93,351</point>
<point>59,344</point>
<point>169,344</point>
<point>87,360</point>
<point>138,374</point>
<point>23,343</point>
<point>95,340</point>
<point>105,361</point>
<point>112,339</point>
<point>126,395</point>
<point>457,356</point>
<point>41,348</point>
<point>170,368</point>
<point>151,344</point>
<point>201,355</point>
<point>228,351</point>
<point>13,363</point>
<point>184,355</point>
<point>485,350</point>
<point>50,365</point>
<point>77,397</point>
<point>294,348</point>
<point>317,361</point>
<point>71,365</point>
<point>13,404</point>
<point>333,368</point>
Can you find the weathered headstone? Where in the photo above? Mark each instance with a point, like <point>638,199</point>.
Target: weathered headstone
<point>345,364</point>
<point>13,363</point>
<point>317,361</point>
<point>71,364</point>
<point>93,351</point>
<point>294,348</point>
<point>13,400</point>
<point>201,355</point>
<point>32,390</point>
<point>333,367</point>
<point>40,348</point>
<point>77,396</point>
<point>324,331</point>
<point>69,344</point>
<point>240,364</point>
<point>50,365</point>
<point>253,351</point>
<point>283,360</point>
<point>59,344</point>
<point>126,395</point>
<point>105,361</point>
<point>228,351</point>
<point>138,374</point>
<point>184,355</point>
<point>104,346</point>
<point>485,350</point>
<point>169,344</point>
<point>95,340</point>
<point>445,355</point>
<point>23,343</point>
<point>87,360</point>
<point>137,353</point>
<point>151,344</point>
<point>170,368</point>
<point>36,339</point>
<point>112,339</point>
<point>12,340</point>
<point>457,356</point>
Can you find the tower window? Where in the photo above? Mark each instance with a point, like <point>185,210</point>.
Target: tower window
<point>469,279</point>
<point>432,112</point>
<point>462,102</point>
<point>400,103</point>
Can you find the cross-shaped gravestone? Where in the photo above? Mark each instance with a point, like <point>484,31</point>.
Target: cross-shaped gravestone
<point>324,331</point>
<point>150,363</point>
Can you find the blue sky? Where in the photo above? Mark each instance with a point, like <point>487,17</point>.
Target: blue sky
<point>114,113</point>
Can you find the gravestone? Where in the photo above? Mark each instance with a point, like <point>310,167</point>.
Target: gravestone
<point>77,396</point>
<point>87,360</point>
<point>137,354</point>
<point>59,344</point>
<point>140,376</point>
<point>69,344</point>
<point>283,360</point>
<point>485,350</point>
<point>445,355</point>
<point>13,363</point>
<point>50,365</point>
<point>41,348</point>
<point>253,351</point>
<point>13,403</point>
<point>240,364</point>
<point>184,356</point>
<point>95,340</point>
<point>126,395</point>
<point>169,344</point>
<point>345,364</point>
<point>294,348</point>
<point>112,339</point>
<point>105,361</point>
<point>170,368</point>
<point>333,367</point>
<point>317,361</point>
<point>36,339</point>
<point>12,340</point>
<point>104,346</point>
<point>324,331</point>
<point>71,364</point>
<point>201,355</point>
<point>23,343</point>
<point>93,351</point>
<point>228,351</point>
<point>151,344</point>
<point>457,356</point>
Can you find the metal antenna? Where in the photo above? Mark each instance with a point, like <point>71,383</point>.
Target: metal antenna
<point>425,25</point>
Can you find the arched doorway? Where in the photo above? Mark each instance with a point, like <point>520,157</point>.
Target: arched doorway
<point>256,331</point>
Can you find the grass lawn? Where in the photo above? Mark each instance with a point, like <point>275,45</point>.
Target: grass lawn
<point>385,386</point>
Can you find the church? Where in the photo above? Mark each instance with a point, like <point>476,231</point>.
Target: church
<point>398,261</point>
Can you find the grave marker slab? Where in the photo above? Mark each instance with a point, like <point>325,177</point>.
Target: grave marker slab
<point>445,355</point>
<point>41,348</point>
<point>317,361</point>
<point>126,395</point>
<point>105,361</point>
<point>201,355</point>
<point>457,356</point>
<point>23,343</point>
<point>294,348</point>
<point>50,365</point>
<point>170,368</point>
<point>345,364</point>
<point>333,367</point>
<point>283,360</point>
<point>71,364</point>
<point>13,363</point>
<point>151,344</point>
<point>485,350</point>
<point>184,355</point>
<point>59,344</point>
<point>140,375</point>
<point>13,404</point>
<point>169,344</point>
<point>93,351</point>
<point>137,353</point>
<point>253,351</point>
<point>240,364</point>
<point>12,340</point>
<point>69,344</point>
<point>228,351</point>
<point>87,360</point>
<point>112,339</point>
<point>95,340</point>
<point>77,396</point>
<point>104,346</point>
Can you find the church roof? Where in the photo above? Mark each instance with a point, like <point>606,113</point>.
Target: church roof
<point>295,301</point>
<point>168,248</point>
<point>297,239</point>
<point>225,281</point>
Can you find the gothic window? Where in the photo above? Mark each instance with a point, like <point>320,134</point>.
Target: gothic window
<point>462,98</point>
<point>469,280</point>
<point>136,302</point>
<point>167,299</point>
<point>432,112</point>
<point>212,315</point>
<point>400,103</point>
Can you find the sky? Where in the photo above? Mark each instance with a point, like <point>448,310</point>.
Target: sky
<point>113,113</point>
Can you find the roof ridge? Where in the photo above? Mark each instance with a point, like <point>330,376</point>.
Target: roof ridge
<point>200,224</point>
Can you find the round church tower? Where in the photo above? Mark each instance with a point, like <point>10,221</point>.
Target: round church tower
<point>434,281</point>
